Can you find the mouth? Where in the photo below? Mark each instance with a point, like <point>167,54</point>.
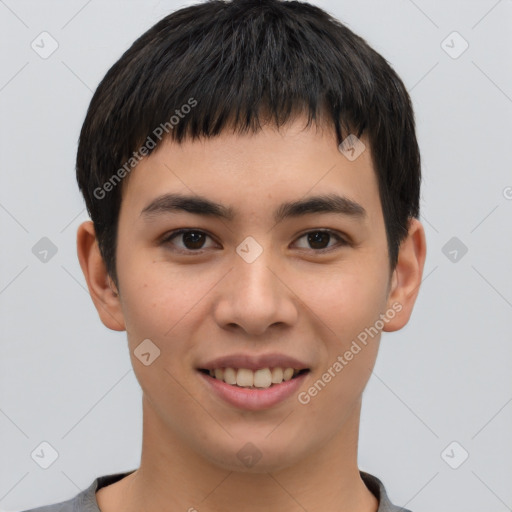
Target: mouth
<point>262,378</point>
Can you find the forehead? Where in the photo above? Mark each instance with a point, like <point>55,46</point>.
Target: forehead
<point>250,173</point>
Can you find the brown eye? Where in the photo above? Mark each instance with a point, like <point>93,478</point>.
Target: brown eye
<point>193,239</point>
<point>319,240</point>
<point>185,240</point>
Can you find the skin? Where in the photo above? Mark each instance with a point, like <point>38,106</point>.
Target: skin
<point>290,300</point>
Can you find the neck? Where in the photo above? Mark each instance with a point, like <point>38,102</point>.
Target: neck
<point>173,477</point>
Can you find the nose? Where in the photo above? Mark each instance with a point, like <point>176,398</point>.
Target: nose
<point>254,297</point>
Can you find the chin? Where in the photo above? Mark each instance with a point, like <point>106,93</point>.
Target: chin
<point>254,456</point>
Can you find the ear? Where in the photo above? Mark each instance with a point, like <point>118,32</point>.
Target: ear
<point>406,278</point>
<point>105,298</point>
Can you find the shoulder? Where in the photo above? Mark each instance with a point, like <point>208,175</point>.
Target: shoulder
<point>85,501</point>
<point>379,491</point>
<point>71,505</point>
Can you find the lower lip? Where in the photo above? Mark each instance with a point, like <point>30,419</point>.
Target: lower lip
<point>254,399</point>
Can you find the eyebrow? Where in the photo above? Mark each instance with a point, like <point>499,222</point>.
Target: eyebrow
<point>331,203</point>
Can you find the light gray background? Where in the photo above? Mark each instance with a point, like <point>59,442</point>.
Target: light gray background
<point>67,380</point>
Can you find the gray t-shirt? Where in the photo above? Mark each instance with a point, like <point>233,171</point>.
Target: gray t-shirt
<point>86,500</point>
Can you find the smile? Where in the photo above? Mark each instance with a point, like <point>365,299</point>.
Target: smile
<point>262,378</point>
<point>253,398</point>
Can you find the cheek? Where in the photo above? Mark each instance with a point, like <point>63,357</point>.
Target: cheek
<point>345,300</point>
<point>348,303</point>
<point>167,307</point>
<point>158,298</point>
<point>361,310</point>
<point>162,306</point>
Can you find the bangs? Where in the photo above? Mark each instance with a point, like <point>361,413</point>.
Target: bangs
<point>239,74</point>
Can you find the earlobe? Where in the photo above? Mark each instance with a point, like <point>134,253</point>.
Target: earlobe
<point>102,291</point>
<point>407,276</point>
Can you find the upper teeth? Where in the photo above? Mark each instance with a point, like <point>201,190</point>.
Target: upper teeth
<point>246,378</point>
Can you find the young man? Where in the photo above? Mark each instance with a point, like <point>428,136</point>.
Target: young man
<point>252,174</point>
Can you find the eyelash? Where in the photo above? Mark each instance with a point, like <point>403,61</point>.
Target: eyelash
<point>341,241</point>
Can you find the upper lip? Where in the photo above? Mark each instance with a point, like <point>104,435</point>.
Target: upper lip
<point>254,362</point>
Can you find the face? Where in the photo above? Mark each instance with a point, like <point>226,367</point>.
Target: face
<point>254,281</point>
